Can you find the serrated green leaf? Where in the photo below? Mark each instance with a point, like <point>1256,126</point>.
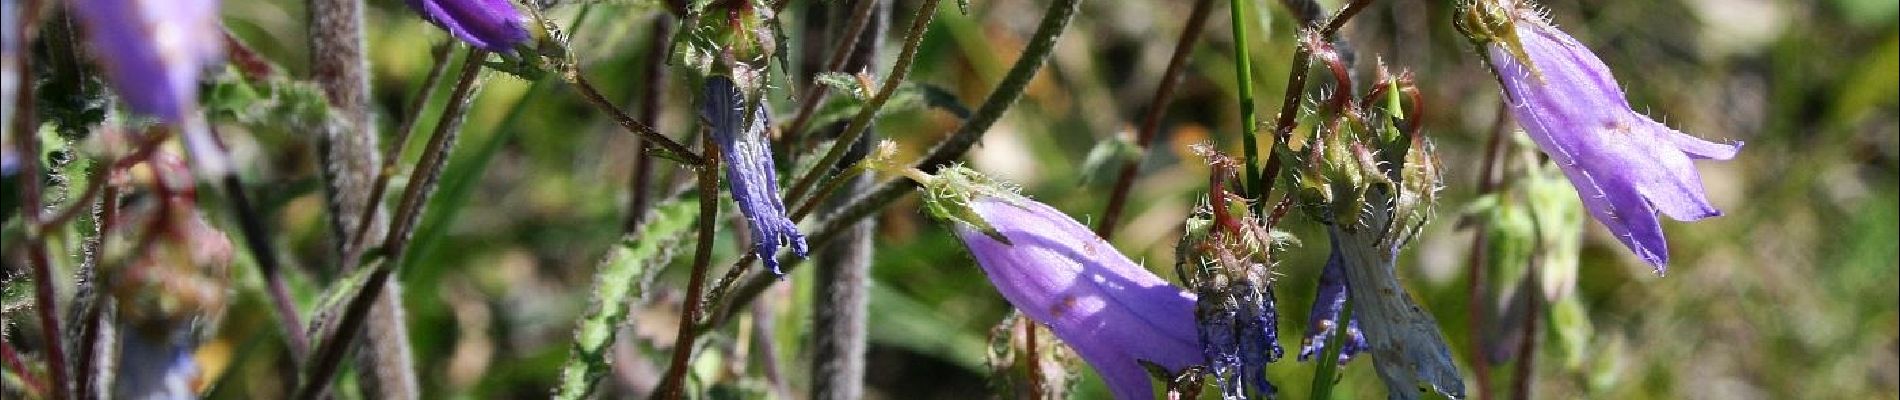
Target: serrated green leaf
<point>623,275</point>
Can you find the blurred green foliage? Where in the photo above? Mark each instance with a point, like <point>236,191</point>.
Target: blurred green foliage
<point>1791,294</point>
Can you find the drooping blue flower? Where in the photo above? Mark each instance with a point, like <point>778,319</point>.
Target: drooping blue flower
<point>1114,313</point>
<point>750,172</point>
<point>154,51</point>
<point>1323,321</point>
<point>492,25</point>
<point>1626,166</point>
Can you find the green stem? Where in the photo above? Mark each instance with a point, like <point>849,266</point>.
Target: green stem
<point>1325,372</point>
<point>1243,75</point>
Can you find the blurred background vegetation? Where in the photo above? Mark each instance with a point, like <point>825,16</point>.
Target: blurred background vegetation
<point>1791,294</point>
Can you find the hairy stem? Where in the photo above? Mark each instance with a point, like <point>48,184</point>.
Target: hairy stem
<point>25,134</point>
<point>672,384</point>
<point>815,93</point>
<point>1296,82</point>
<point>661,33</point>
<point>421,184</point>
<point>927,10</point>
<point>668,148</point>
<point>841,293</point>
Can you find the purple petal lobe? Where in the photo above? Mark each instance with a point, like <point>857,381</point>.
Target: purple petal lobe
<point>154,51</point>
<point>492,25</point>
<point>1696,147</point>
<point>1323,321</point>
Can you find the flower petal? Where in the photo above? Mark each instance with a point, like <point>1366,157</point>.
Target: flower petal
<point>1111,311</point>
<point>1696,147</point>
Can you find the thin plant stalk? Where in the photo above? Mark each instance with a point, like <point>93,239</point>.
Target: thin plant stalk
<point>354,251</point>
<point>329,354</point>
<point>1243,76</point>
<point>672,385</point>
<point>1034,55</point>
<point>1151,121</point>
<point>1296,84</point>
<point>1475,261</point>
<point>926,11</point>
<point>667,147</point>
<point>841,293</point>
<point>1326,372</point>
<point>45,295</point>
<point>815,93</point>
<point>661,33</point>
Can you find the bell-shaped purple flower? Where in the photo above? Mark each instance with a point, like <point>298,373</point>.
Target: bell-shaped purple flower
<point>1114,313</point>
<point>1625,165</point>
<point>750,172</point>
<point>154,51</point>
<point>492,25</point>
<point>1323,321</point>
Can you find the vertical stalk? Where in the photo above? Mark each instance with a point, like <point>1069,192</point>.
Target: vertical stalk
<point>25,131</point>
<point>673,385</point>
<point>655,77</point>
<point>326,357</point>
<point>349,155</point>
<point>1151,122</point>
<point>1243,75</point>
<point>1325,372</point>
<point>1476,300</point>
<point>841,294</point>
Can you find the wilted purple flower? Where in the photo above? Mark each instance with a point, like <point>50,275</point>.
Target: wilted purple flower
<point>493,25</point>
<point>1323,321</point>
<point>154,51</point>
<point>1626,166</point>
<point>1239,337</point>
<point>750,172</point>
<point>1115,314</point>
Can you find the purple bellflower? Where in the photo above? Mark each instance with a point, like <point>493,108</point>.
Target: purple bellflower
<point>154,51</point>
<point>1625,165</point>
<point>1323,321</point>
<point>750,172</point>
<point>492,25</point>
<point>1114,313</point>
